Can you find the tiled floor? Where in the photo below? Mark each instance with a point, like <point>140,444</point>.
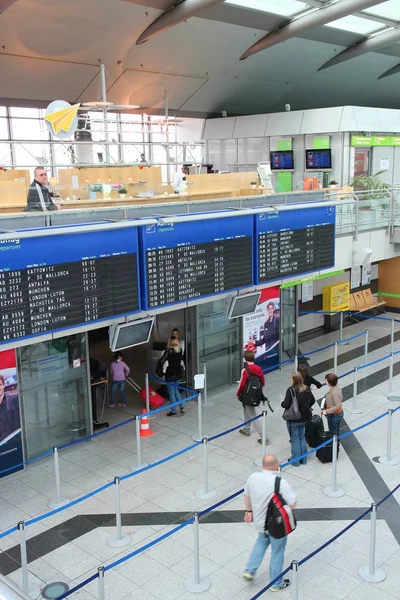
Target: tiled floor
<point>70,545</point>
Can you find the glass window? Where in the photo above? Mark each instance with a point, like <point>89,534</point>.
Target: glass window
<point>286,8</point>
<point>31,155</point>
<point>5,155</point>
<point>355,25</point>
<point>3,129</point>
<point>386,10</point>
<point>54,392</point>
<point>3,111</point>
<point>29,129</point>
<point>30,113</point>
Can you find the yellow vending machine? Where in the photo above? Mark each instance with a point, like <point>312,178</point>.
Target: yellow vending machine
<point>335,299</point>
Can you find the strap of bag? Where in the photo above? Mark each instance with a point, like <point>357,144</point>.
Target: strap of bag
<point>277,485</point>
<point>41,198</point>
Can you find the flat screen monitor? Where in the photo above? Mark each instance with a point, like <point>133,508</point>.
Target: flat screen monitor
<point>131,334</point>
<point>318,160</point>
<point>282,160</point>
<point>243,305</point>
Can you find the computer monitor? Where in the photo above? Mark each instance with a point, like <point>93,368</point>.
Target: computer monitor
<point>243,305</point>
<point>133,333</point>
<point>319,160</point>
<point>282,160</point>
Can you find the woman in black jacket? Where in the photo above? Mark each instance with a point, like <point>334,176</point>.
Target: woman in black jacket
<point>296,429</point>
<point>308,379</point>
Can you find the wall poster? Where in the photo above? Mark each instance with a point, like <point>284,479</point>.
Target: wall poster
<point>10,420</point>
<point>355,277</point>
<point>366,274</point>
<point>261,329</point>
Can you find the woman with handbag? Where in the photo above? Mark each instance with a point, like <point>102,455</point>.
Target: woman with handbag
<point>297,404</point>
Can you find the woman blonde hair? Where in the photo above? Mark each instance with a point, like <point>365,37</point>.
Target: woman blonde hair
<point>297,380</point>
<point>174,345</point>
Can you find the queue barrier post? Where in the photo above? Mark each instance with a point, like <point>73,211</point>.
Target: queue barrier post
<point>199,436</point>
<point>295,580</point>
<point>59,501</point>
<point>205,493</point>
<point>118,539</point>
<point>32,591</point>
<point>196,583</point>
<point>147,390</point>
<point>258,461</point>
<point>355,410</point>
<point>371,572</point>
<point>391,372</point>
<point>388,460</point>
<point>366,347</point>
<point>101,583</point>
<point>341,327</point>
<point>335,358</point>
<point>139,464</point>
<point>296,362</point>
<point>392,336</point>
<point>207,402</point>
<point>332,490</point>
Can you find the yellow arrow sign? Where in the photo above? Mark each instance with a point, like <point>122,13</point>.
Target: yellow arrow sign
<point>62,120</point>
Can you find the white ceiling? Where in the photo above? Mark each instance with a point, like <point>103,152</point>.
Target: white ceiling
<point>51,49</point>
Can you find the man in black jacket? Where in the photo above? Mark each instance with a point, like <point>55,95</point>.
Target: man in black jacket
<point>39,198</point>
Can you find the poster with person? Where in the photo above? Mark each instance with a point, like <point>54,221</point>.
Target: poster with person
<point>261,329</point>
<point>10,421</point>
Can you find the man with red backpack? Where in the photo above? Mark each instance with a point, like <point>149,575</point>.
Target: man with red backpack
<point>250,393</point>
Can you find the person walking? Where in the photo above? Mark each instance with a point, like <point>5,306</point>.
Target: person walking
<point>296,428</point>
<point>333,409</point>
<point>308,379</point>
<point>258,492</point>
<point>119,372</point>
<point>249,412</point>
<point>173,368</point>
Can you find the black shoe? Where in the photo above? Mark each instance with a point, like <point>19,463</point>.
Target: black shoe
<point>286,583</point>
<point>171,414</point>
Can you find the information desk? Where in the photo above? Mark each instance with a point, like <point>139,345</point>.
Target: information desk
<point>55,282</point>
<point>183,261</point>
<point>294,242</point>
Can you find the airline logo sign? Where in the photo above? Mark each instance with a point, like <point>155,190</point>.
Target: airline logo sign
<point>62,118</point>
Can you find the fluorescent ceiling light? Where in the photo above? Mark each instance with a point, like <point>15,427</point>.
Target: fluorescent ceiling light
<point>387,10</point>
<point>285,8</point>
<point>355,25</point>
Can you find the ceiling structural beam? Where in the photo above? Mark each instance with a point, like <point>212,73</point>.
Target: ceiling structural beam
<point>297,25</point>
<point>370,44</point>
<point>392,71</point>
<point>175,15</point>
<point>4,4</point>
<point>362,15</point>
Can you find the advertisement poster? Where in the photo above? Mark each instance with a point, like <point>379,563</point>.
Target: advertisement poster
<point>10,422</point>
<point>355,279</point>
<point>307,291</point>
<point>261,329</point>
<point>366,274</point>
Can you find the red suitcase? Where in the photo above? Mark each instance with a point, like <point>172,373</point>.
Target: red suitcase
<point>155,400</point>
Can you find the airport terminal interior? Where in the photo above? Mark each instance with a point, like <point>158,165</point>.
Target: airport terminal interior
<point>199,211</point>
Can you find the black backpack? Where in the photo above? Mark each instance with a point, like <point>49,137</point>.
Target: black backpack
<point>280,519</point>
<point>252,394</point>
<point>160,364</point>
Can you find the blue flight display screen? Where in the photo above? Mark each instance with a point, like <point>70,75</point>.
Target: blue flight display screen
<point>187,260</point>
<point>296,241</point>
<point>60,281</point>
<point>318,160</point>
<point>282,160</point>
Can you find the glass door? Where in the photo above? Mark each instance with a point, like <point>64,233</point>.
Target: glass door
<point>218,344</point>
<point>288,322</point>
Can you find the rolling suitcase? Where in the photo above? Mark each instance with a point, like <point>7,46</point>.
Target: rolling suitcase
<point>155,400</point>
<point>325,454</point>
<point>314,431</point>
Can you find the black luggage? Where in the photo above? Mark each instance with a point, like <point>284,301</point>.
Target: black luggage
<point>314,431</point>
<point>325,454</point>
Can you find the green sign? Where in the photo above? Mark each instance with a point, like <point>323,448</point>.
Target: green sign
<point>283,182</point>
<point>321,143</point>
<point>305,279</point>
<point>286,144</point>
<point>389,294</point>
<point>375,140</point>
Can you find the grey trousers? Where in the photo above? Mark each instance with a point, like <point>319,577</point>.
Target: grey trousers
<point>249,413</point>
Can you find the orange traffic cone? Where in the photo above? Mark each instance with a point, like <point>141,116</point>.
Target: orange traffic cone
<point>144,426</point>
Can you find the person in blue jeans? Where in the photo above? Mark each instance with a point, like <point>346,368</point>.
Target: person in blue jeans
<point>333,409</point>
<point>297,429</point>
<point>257,495</point>
<point>119,372</point>
<point>173,368</point>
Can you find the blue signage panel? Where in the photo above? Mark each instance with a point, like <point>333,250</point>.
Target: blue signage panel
<point>183,261</point>
<point>294,242</point>
<point>56,282</point>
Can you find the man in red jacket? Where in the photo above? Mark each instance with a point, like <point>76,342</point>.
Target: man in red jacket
<point>250,411</point>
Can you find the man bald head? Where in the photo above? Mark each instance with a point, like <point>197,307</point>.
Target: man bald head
<point>270,462</point>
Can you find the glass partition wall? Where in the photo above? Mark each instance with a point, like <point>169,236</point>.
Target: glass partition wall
<point>54,385</point>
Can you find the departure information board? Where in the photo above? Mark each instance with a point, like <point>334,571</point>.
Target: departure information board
<point>183,261</point>
<point>294,242</point>
<point>55,282</point>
